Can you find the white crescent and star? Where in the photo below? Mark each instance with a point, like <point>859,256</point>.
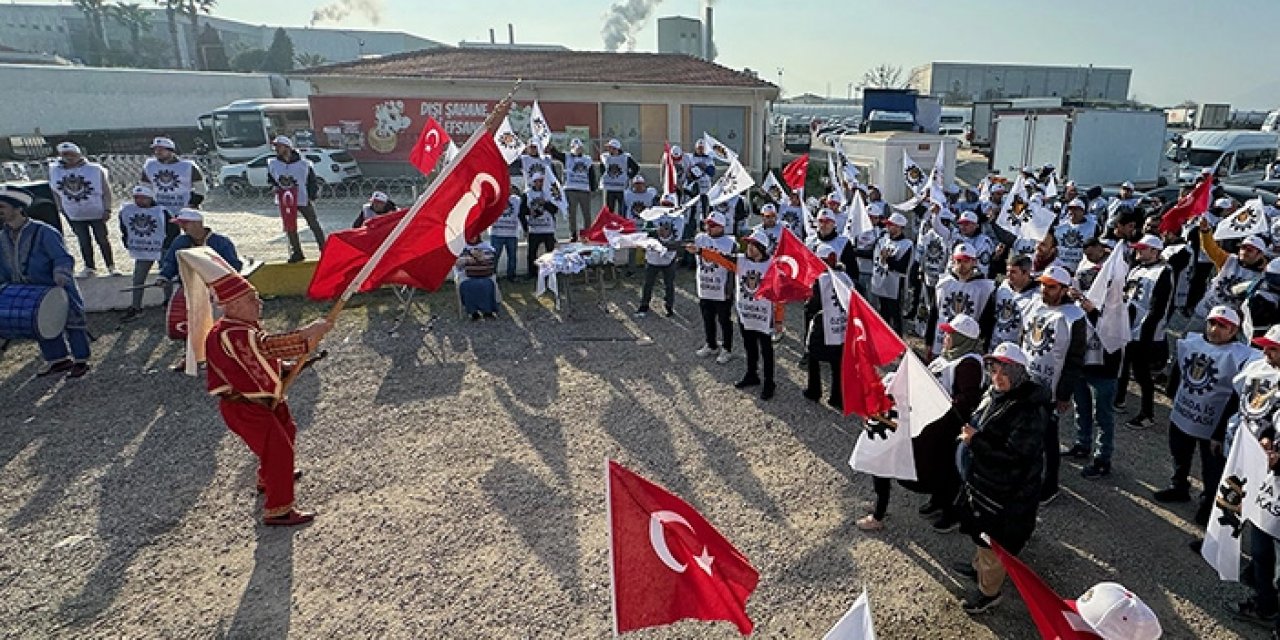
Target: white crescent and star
<point>658,540</point>
<point>788,261</point>
<point>455,224</point>
<point>430,141</point>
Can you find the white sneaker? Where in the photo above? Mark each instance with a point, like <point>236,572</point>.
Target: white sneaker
<point>86,273</point>
<point>706,351</point>
<point>724,357</point>
<point>115,272</point>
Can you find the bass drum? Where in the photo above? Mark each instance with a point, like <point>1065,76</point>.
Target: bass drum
<point>33,312</point>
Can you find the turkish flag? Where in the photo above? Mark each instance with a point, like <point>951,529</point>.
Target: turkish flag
<point>431,143</point>
<point>1188,207</point>
<point>1055,618</point>
<point>794,173</point>
<point>607,219</point>
<point>868,343</point>
<point>287,201</point>
<point>668,562</point>
<point>464,203</point>
<point>792,272</point>
<point>668,170</point>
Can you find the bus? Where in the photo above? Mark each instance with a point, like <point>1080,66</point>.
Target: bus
<point>243,130</point>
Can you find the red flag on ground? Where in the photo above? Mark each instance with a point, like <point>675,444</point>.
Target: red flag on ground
<point>794,173</point>
<point>669,184</point>
<point>792,272</point>
<point>431,143</point>
<point>868,343</point>
<point>1055,618</point>
<point>607,219</point>
<point>1188,207</point>
<point>464,204</point>
<point>287,201</point>
<point>667,562</point>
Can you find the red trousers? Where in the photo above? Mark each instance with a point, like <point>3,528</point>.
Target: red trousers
<point>269,434</point>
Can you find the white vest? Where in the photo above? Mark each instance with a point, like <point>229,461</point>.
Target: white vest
<point>835,318</point>
<point>538,219</point>
<point>1181,279</point>
<point>1010,309</point>
<point>982,246</point>
<point>945,370</point>
<point>1207,374</point>
<point>713,279</point>
<point>663,257</point>
<point>708,166</point>
<point>145,239</point>
<point>1086,272</point>
<point>171,180</point>
<point>577,173</point>
<point>755,315</point>
<point>837,244</point>
<point>1071,238</point>
<point>793,217</point>
<point>634,203</point>
<point>1231,274</point>
<point>81,190</point>
<point>1138,292</point>
<point>291,174</point>
<point>954,297</point>
<point>1093,349</point>
<point>508,224</point>
<point>1256,385</point>
<point>886,283</point>
<point>932,255</point>
<point>530,165</point>
<point>615,172</point>
<point>867,240</point>
<point>772,233</point>
<point>1046,338</point>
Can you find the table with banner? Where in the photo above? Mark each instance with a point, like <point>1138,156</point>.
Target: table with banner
<point>556,267</point>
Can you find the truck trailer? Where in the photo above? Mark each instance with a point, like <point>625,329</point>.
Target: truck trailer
<point>1090,146</point>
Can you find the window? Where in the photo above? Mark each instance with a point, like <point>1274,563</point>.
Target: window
<point>238,129</point>
<point>260,162</point>
<point>621,121</point>
<point>1253,159</point>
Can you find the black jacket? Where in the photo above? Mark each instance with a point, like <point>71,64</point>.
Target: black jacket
<point>1007,453</point>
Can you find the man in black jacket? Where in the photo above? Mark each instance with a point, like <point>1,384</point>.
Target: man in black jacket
<point>1148,293</point>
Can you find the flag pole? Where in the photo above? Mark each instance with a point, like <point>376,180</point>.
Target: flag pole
<point>487,129</point>
<point>608,515</point>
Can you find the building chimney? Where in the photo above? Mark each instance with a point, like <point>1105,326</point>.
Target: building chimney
<point>706,31</point>
<point>511,33</point>
<point>492,38</point>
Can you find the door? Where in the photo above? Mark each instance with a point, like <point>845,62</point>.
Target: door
<point>258,171</point>
<point>1048,140</point>
<point>1008,146</point>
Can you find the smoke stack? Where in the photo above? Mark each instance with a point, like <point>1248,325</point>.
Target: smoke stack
<point>493,39</point>
<point>707,48</point>
<point>511,33</point>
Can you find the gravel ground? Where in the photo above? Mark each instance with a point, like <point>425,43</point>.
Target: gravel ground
<point>457,469</point>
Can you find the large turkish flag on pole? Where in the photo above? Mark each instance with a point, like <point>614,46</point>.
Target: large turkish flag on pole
<point>791,273</point>
<point>668,563</point>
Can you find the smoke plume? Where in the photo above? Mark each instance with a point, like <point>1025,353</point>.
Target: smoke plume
<point>624,19</point>
<point>338,11</point>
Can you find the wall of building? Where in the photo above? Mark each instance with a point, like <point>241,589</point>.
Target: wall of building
<point>968,82</point>
<point>678,34</point>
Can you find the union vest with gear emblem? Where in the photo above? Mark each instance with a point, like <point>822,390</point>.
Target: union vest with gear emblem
<point>1256,384</point>
<point>713,279</point>
<point>144,237</point>
<point>1046,339</point>
<point>80,190</point>
<point>1232,273</point>
<point>1009,307</point>
<point>1139,293</point>
<point>755,315</point>
<point>171,181</point>
<point>955,296</point>
<point>1207,371</point>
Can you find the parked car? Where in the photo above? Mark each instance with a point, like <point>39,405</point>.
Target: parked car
<point>1239,193</point>
<point>332,167</point>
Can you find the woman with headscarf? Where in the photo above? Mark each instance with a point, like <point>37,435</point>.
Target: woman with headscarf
<point>475,279</point>
<point>1002,463</point>
<point>959,370</point>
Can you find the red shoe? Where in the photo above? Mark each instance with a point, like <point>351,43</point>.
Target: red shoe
<point>291,519</point>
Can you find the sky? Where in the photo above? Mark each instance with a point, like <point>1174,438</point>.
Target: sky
<point>823,45</point>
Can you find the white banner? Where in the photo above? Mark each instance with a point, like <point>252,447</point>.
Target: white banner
<point>1247,493</point>
<point>539,129</point>
<point>718,150</point>
<point>734,181</point>
<point>884,448</point>
<point>1248,220</point>
<point>856,624</point>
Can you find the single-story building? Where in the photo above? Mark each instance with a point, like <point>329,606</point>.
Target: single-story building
<point>375,108</point>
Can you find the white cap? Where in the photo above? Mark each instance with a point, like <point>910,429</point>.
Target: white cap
<point>1273,268</point>
<point>1126,185</point>
<point>1056,274</point>
<point>997,188</point>
<point>759,237</point>
<point>962,324</point>
<point>575,143</point>
<point>639,179</point>
<point>1115,613</point>
<point>969,216</point>
<point>69,147</point>
<point>676,150</point>
<point>953,188</point>
<point>826,214</point>
<point>1076,203</point>
<point>1222,203</point>
<point>537,175</point>
<point>963,251</point>
<point>897,219</point>
<point>13,196</point>
<point>768,208</point>
<point>615,143</point>
<point>1256,242</point>
<point>1223,312</point>
<point>1008,352</point>
<point>144,190</point>
<point>1149,242</point>
<point>378,196</point>
<point>1271,339</point>
<point>189,215</point>
<point>164,143</point>
<point>715,218</point>
<point>284,140</point>
<point>1026,168</point>
<point>667,197</point>
<point>947,214</point>
<point>1070,183</point>
<point>825,251</point>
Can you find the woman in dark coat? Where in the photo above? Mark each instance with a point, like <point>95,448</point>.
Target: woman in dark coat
<point>1003,466</point>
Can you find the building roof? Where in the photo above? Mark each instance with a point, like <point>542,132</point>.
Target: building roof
<point>548,66</point>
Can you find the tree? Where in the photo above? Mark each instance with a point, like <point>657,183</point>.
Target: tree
<point>192,9</point>
<point>171,8</point>
<point>885,76</point>
<point>213,55</point>
<point>308,60</point>
<point>94,11</point>
<point>279,57</point>
<point>249,60</point>
<point>133,17</point>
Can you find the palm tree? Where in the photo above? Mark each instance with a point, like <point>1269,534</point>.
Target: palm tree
<point>171,8</point>
<point>94,10</point>
<point>134,18</point>
<point>193,8</point>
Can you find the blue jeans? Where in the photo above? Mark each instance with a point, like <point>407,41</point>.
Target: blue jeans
<point>55,349</point>
<point>1262,548</point>
<point>1093,403</point>
<point>510,247</point>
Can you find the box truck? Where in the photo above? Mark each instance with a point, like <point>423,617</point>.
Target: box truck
<point>878,157</point>
<point>1090,146</point>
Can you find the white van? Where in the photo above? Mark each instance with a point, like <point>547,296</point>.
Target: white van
<point>1235,156</point>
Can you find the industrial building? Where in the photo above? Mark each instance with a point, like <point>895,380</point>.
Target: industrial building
<point>642,99</point>
<point>962,82</point>
<point>678,34</point>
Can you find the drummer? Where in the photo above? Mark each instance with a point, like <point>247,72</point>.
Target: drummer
<point>194,234</point>
<point>32,252</point>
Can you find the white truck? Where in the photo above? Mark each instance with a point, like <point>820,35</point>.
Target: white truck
<point>878,157</point>
<point>1090,146</point>
<point>982,121</point>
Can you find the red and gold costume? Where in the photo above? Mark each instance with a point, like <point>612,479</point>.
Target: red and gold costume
<point>245,373</point>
